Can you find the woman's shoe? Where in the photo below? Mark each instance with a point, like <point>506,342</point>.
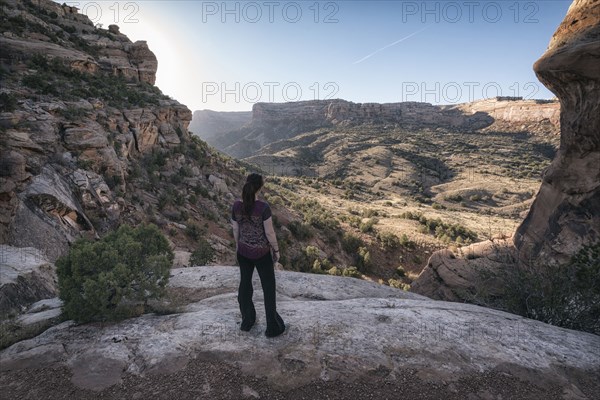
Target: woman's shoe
<point>274,334</point>
<point>246,326</point>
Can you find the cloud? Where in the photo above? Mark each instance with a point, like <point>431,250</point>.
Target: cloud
<point>389,45</point>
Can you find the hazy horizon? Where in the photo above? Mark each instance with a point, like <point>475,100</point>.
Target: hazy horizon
<point>226,56</point>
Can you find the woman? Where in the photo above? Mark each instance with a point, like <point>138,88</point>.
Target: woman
<point>256,246</point>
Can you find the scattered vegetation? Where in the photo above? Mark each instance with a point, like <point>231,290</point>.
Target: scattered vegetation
<point>368,225</point>
<point>315,215</point>
<point>351,243</point>
<point>442,230</point>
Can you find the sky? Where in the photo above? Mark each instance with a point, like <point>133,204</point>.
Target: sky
<point>228,55</point>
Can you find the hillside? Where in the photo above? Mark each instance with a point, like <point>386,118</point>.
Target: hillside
<point>401,179</point>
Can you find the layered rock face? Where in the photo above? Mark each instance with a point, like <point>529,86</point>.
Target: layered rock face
<point>83,113</point>
<point>566,213</point>
<point>115,52</point>
<point>273,122</point>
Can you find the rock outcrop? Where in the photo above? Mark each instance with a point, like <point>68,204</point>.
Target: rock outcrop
<point>473,273</point>
<point>39,205</point>
<point>26,277</point>
<point>565,215</point>
<point>337,330</point>
<point>115,52</point>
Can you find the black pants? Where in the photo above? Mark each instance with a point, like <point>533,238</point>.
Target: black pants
<point>264,265</point>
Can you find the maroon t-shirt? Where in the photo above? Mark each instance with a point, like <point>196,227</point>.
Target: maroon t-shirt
<point>252,242</point>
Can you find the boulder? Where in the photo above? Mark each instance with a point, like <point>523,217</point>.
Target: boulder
<point>48,216</point>
<point>468,274</point>
<point>89,136</point>
<point>114,29</point>
<point>218,184</point>
<point>47,311</point>
<point>145,61</point>
<point>26,276</point>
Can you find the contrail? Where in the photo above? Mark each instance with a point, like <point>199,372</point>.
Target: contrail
<point>389,45</point>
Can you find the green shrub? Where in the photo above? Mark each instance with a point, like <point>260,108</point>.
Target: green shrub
<point>300,230</point>
<point>315,215</point>
<point>112,180</point>
<point>440,229</point>
<point>398,284</point>
<point>400,271</point>
<point>334,271</point>
<point>203,254</point>
<point>388,240</point>
<point>351,272</point>
<point>456,198</point>
<point>406,242</point>
<point>99,281</point>
<point>370,213</point>
<point>176,179</point>
<point>319,267</point>
<point>8,102</point>
<point>193,231</point>
<point>202,191</point>
<point>354,221</point>
<point>563,295</point>
<point>363,259</point>
<point>367,226</point>
<point>312,252</point>
<point>351,243</point>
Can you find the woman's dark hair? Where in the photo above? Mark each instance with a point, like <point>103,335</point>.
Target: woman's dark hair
<point>253,184</point>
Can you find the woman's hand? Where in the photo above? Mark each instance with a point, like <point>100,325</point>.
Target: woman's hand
<point>276,257</point>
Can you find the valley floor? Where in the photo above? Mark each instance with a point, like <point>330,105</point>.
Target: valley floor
<point>209,379</point>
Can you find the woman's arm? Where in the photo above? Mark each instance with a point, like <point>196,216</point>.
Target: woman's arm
<point>270,232</point>
<point>236,232</point>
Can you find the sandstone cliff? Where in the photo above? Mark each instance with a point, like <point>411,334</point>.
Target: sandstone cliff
<point>273,122</point>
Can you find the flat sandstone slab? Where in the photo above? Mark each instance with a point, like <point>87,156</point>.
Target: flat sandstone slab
<point>356,328</point>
